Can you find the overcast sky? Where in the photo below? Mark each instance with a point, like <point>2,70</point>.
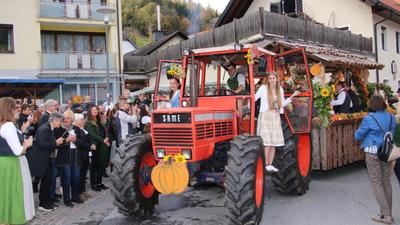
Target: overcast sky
<point>219,5</point>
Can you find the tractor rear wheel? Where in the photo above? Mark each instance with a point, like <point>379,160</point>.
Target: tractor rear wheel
<point>134,194</point>
<point>294,163</point>
<point>244,180</point>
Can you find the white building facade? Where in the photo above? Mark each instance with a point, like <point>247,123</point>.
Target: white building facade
<point>388,46</point>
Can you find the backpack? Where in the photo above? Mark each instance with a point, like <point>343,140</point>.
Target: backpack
<point>386,150</point>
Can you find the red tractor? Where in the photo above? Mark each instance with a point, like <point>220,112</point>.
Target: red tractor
<point>215,130</point>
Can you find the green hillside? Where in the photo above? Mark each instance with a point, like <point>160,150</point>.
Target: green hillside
<point>139,18</point>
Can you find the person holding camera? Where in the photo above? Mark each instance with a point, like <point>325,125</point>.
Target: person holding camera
<point>67,160</point>
<point>143,100</point>
<point>126,123</point>
<point>108,104</point>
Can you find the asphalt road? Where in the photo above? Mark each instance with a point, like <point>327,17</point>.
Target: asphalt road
<point>339,197</point>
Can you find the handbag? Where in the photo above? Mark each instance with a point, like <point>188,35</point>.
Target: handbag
<point>388,151</point>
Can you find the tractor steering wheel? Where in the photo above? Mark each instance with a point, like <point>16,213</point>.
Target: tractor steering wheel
<point>223,91</point>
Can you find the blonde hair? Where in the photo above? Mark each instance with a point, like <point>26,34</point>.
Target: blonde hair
<point>277,92</point>
<point>7,110</point>
<point>69,114</point>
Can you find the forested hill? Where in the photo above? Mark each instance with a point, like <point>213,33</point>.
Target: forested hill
<point>139,18</point>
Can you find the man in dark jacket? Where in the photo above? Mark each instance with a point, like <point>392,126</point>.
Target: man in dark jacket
<point>342,103</point>
<point>50,106</point>
<point>26,111</point>
<point>42,156</point>
<point>355,100</point>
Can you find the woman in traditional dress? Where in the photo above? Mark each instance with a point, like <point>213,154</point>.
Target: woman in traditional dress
<point>269,121</point>
<point>16,195</point>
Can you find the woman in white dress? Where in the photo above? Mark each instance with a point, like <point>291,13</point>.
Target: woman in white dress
<point>269,122</point>
<point>16,195</point>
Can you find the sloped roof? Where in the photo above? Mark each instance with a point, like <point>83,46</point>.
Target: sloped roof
<point>331,54</point>
<point>234,9</point>
<point>394,4</point>
<point>126,38</point>
<point>147,49</point>
<point>388,9</point>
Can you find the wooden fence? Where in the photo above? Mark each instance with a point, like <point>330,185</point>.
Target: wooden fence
<point>261,22</point>
<point>335,146</point>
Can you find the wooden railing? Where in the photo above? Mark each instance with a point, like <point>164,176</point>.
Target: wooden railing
<point>261,22</point>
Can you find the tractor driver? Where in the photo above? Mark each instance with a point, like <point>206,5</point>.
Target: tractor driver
<point>236,82</point>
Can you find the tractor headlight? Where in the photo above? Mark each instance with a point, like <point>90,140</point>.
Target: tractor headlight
<point>187,153</point>
<point>160,153</point>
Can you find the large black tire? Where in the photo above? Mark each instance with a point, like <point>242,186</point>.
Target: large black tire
<point>289,179</point>
<point>128,196</point>
<point>240,180</point>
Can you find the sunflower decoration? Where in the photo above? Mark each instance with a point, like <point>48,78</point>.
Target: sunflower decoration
<point>322,99</point>
<point>167,158</point>
<point>175,70</point>
<point>180,159</point>
<point>325,92</point>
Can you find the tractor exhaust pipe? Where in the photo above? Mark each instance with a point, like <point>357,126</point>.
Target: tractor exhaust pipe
<point>194,87</point>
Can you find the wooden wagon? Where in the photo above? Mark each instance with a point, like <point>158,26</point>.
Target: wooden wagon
<point>335,146</point>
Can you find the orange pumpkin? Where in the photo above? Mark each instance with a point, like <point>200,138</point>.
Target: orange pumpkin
<point>170,177</point>
<point>315,69</point>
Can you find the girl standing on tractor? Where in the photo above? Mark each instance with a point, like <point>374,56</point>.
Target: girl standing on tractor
<point>269,121</point>
<point>174,96</point>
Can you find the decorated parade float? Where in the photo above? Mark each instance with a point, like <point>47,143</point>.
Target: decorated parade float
<point>332,134</point>
<point>333,143</point>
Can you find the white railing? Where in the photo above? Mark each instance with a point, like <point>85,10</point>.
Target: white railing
<point>72,10</point>
<point>73,61</point>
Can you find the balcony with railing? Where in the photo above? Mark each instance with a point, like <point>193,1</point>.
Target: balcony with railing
<point>72,10</point>
<point>76,62</point>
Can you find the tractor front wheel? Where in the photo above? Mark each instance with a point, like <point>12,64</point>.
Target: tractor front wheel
<point>244,180</point>
<point>294,163</point>
<point>134,194</point>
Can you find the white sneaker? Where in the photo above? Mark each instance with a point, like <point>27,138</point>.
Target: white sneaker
<point>271,169</point>
<point>275,169</point>
<point>46,208</point>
